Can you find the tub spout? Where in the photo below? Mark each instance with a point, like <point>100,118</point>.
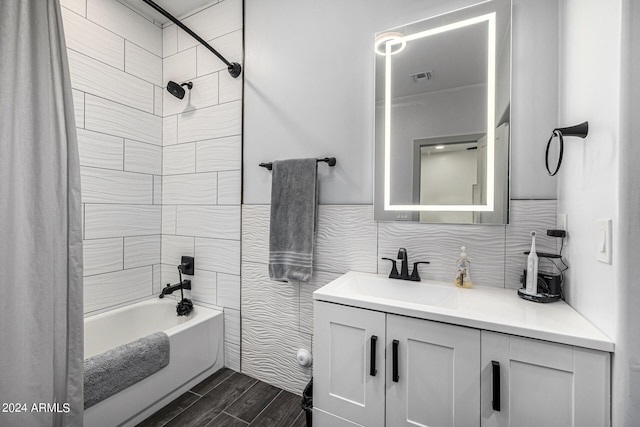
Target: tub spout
<point>169,289</point>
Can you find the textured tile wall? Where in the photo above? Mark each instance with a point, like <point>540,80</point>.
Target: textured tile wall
<point>115,64</point>
<point>201,163</point>
<point>277,318</point>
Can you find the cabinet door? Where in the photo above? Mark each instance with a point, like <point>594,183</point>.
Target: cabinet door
<point>438,381</point>
<point>543,384</point>
<point>349,365</point>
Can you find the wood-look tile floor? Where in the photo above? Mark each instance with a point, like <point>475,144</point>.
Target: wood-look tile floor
<point>231,399</point>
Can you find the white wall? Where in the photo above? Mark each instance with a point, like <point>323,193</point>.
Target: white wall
<point>309,90</point>
<point>202,158</point>
<point>588,188</point>
<point>116,74</point>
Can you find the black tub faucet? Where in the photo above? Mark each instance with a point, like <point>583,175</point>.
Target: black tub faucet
<point>169,289</point>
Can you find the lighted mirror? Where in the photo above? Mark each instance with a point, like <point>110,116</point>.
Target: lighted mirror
<point>443,117</point>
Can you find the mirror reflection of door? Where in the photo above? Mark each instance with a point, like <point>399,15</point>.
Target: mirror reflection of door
<point>450,171</point>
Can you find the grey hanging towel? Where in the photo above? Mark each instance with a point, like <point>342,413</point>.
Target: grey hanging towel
<point>293,219</point>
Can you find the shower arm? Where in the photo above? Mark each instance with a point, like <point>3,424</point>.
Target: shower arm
<point>233,67</point>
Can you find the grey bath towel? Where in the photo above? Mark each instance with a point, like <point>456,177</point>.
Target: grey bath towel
<point>293,219</point>
<point>114,370</point>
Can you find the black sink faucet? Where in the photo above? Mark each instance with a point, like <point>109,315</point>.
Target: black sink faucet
<point>404,267</point>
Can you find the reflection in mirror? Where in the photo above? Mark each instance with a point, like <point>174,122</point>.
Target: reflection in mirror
<point>442,117</point>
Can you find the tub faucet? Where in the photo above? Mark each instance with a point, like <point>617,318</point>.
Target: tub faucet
<point>169,289</point>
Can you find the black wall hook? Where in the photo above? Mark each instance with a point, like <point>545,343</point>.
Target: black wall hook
<point>581,131</point>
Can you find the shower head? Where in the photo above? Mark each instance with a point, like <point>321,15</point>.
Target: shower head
<point>176,89</point>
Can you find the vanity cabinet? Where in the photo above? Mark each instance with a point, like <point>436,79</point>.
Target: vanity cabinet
<point>376,369</point>
<point>373,368</point>
<point>542,383</point>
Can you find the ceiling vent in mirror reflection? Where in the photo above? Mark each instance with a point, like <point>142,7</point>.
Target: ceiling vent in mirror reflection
<point>423,76</point>
<point>392,36</point>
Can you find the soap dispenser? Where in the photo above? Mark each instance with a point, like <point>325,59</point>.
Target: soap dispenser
<point>463,276</point>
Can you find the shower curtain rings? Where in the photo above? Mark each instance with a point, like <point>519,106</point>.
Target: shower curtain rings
<point>555,133</point>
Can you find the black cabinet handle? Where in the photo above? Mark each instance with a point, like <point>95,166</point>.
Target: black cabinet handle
<point>372,362</point>
<point>496,385</point>
<point>395,378</point>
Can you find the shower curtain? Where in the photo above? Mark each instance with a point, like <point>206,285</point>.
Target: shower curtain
<point>41,319</point>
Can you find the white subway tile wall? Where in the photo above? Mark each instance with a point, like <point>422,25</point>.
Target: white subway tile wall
<point>116,69</point>
<point>277,318</point>
<point>201,163</point>
<point>147,200</point>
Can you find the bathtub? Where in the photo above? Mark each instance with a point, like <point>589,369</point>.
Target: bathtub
<point>197,351</point>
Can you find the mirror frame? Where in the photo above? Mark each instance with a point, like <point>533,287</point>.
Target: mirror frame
<point>487,12</point>
<point>490,19</point>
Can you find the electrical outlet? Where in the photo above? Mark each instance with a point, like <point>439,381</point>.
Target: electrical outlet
<point>561,222</point>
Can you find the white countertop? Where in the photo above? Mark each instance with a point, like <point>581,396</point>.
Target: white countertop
<point>492,309</point>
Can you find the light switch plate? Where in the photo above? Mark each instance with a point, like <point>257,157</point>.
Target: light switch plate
<point>603,241</point>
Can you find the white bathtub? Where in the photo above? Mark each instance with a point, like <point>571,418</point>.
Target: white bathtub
<point>196,352</point>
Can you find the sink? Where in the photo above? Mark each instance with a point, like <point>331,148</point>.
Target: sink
<point>358,286</point>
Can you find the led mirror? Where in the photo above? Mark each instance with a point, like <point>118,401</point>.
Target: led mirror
<point>442,117</point>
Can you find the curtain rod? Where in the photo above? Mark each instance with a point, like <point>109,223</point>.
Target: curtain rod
<point>233,67</point>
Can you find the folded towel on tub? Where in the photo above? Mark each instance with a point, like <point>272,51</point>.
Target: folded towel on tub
<point>293,219</point>
<point>114,370</point>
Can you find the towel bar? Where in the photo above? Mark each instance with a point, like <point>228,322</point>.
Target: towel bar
<point>330,160</point>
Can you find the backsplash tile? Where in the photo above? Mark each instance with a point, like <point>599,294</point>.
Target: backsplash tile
<point>348,239</point>
<point>440,245</point>
<point>267,301</point>
<point>528,215</point>
<point>270,354</point>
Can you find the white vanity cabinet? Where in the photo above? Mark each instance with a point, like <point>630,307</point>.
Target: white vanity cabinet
<point>542,383</point>
<point>348,366</point>
<point>435,380</point>
<point>430,375</point>
<point>373,368</point>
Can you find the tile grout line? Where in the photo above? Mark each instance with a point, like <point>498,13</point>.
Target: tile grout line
<point>185,409</point>
<point>266,406</point>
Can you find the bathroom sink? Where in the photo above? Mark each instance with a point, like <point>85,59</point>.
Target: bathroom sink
<point>358,286</point>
